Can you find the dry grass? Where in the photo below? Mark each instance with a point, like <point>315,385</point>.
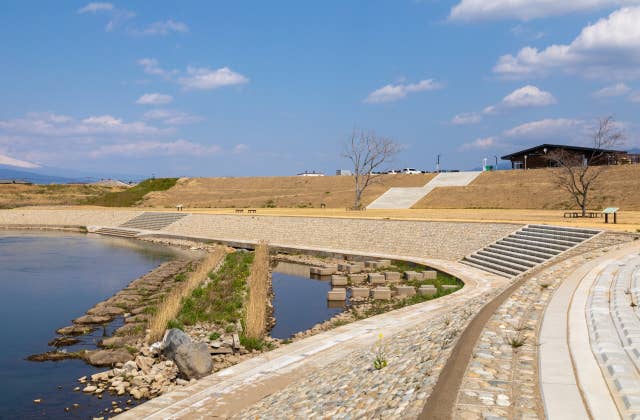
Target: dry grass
<point>12,195</point>
<point>536,189</point>
<point>256,304</point>
<point>170,306</point>
<point>291,192</point>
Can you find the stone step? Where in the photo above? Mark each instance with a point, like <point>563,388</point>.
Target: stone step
<point>524,246</point>
<point>537,243</point>
<point>518,253</point>
<point>554,239</point>
<point>576,235</point>
<point>514,266</point>
<point>498,256</point>
<point>117,232</point>
<point>506,271</point>
<point>153,220</point>
<point>485,268</point>
<point>566,229</point>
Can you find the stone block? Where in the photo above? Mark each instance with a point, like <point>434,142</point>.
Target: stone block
<point>392,276</point>
<point>381,293</point>
<point>429,275</point>
<point>323,271</point>
<point>377,279</point>
<point>449,287</point>
<point>412,275</point>
<point>405,291</point>
<point>427,290</point>
<point>360,292</point>
<point>357,278</point>
<point>384,263</point>
<point>351,268</point>
<point>337,294</point>
<point>338,280</point>
<point>371,264</point>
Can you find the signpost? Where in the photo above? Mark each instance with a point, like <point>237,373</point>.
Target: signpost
<point>608,211</point>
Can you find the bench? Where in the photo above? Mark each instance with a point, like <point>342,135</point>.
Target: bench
<point>239,210</point>
<point>589,214</point>
<point>251,211</point>
<point>356,208</point>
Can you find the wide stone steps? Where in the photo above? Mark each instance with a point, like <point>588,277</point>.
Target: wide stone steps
<point>525,249</point>
<point>153,220</point>
<point>614,328</point>
<point>123,233</point>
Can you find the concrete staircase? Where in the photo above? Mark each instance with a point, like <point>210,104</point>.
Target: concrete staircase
<point>405,198</point>
<point>153,220</point>
<point>123,233</point>
<point>526,248</point>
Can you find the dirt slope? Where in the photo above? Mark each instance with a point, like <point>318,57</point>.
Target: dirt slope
<point>294,191</point>
<point>13,195</point>
<point>535,189</point>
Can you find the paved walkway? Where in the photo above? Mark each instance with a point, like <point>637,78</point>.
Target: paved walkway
<point>331,374</point>
<point>404,198</point>
<point>590,341</point>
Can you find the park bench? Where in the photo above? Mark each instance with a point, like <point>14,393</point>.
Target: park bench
<point>239,210</point>
<point>251,211</point>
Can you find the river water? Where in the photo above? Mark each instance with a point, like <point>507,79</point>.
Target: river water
<point>46,280</point>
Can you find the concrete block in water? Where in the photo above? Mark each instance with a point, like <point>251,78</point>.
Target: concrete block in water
<point>392,276</point>
<point>427,290</point>
<point>429,275</point>
<point>412,275</point>
<point>357,278</point>
<point>323,271</point>
<point>351,268</point>
<point>337,294</point>
<point>405,291</point>
<point>381,293</point>
<point>377,279</point>
<point>359,292</point>
<point>338,280</point>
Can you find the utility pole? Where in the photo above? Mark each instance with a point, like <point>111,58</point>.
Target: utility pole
<point>438,163</point>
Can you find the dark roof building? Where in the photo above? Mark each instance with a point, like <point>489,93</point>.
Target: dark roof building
<point>537,157</point>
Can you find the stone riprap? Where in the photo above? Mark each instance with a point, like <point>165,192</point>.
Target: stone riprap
<point>441,240</point>
<point>331,374</point>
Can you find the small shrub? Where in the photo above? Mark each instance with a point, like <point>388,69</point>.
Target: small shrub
<point>174,323</point>
<point>181,276</point>
<point>516,341</point>
<point>380,357</point>
<point>214,336</point>
<point>269,204</point>
<point>250,343</point>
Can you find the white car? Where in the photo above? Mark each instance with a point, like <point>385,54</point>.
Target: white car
<point>410,171</point>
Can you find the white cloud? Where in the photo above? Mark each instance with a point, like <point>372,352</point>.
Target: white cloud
<point>96,7</point>
<point>619,89</point>
<point>240,148</point>
<point>6,160</point>
<point>206,79</point>
<point>155,148</point>
<point>392,93</point>
<point>480,144</point>
<point>164,28</point>
<point>53,125</point>
<point>607,49</point>
<point>171,117</point>
<point>469,10</point>
<point>527,96</point>
<point>154,99</point>
<point>549,129</point>
<point>466,118</point>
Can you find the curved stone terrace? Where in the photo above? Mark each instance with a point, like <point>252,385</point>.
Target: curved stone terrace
<point>507,376</point>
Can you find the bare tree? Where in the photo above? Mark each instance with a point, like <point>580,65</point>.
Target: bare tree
<point>578,172</point>
<point>368,153</point>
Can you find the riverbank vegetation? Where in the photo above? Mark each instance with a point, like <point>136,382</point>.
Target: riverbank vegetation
<point>255,319</point>
<point>134,195</point>
<point>169,308</point>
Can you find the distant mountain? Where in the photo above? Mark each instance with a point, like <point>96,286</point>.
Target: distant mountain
<point>634,151</point>
<point>7,172</point>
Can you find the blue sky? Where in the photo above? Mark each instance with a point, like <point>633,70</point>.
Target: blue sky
<point>211,88</point>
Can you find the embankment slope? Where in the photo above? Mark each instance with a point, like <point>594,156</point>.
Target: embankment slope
<point>536,189</point>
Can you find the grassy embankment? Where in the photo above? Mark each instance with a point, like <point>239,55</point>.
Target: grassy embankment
<point>134,195</point>
<point>15,195</point>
